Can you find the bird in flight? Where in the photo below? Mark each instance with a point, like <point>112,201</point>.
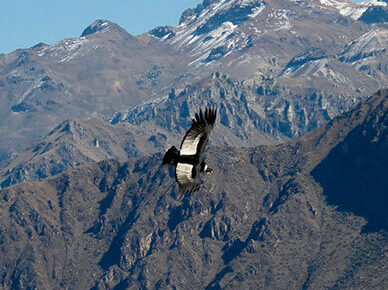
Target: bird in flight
<point>188,161</point>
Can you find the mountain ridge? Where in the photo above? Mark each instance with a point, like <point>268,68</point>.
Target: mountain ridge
<point>76,142</point>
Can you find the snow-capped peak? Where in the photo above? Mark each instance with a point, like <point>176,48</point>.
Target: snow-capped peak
<point>374,3</point>
<point>96,26</point>
<point>350,9</point>
<point>212,29</point>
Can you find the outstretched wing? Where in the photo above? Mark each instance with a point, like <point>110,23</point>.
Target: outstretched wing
<point>195,140</point>
<point>187,177</point>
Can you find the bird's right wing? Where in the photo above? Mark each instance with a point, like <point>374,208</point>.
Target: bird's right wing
<point>187,177</point>
<point>195,140</point>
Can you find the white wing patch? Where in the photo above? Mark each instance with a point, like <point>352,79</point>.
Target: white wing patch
<point>184,172</point>
<point>189,146</point>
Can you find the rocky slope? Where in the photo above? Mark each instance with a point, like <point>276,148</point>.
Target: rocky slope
<point>76,142</point>
<point>282,217</point>
<point>250,112</point>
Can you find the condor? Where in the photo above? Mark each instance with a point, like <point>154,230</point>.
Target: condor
<point>188,161</point>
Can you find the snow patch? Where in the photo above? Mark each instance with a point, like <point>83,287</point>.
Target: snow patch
<point>65,50</point>
<point>353,10</point>
<point>225,28</point>
<point>257,11</point>
<point>374,3</point>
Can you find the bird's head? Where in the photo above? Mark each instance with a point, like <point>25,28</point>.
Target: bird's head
<point>208,169</point>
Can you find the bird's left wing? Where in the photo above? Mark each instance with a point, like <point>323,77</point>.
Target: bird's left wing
<point>187,177</point>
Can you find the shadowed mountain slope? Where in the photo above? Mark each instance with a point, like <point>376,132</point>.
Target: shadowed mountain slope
<point>265,218</point>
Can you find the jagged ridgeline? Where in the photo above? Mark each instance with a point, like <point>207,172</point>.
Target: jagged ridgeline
<point>309,213</point>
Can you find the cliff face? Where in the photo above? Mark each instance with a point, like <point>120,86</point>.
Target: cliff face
<point>284,216</point>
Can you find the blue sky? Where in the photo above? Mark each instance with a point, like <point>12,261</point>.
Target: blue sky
<point>24,23</point>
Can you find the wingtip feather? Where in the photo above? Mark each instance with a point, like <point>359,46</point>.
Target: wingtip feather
<point>205,117</point>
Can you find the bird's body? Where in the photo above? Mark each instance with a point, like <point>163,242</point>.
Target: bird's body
<point>188,160</point>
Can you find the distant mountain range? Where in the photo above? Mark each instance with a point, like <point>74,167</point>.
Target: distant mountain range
<point>306,214</point>
<point>282,66</point>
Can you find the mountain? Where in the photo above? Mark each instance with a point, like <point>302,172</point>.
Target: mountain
<point>371,11</point>
<point>89,76</point>
<point>368,53</point>
<point>242,119</point>
<point>298,45</point>
<point>308,213</point>
<point>258,37</point>
<point>275,69</point>
<point>250,112</point>
<point>76,142</point>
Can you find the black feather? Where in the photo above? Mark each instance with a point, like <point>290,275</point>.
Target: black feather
<point>171,157</point>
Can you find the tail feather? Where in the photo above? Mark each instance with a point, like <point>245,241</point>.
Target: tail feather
<point>171,156</point>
